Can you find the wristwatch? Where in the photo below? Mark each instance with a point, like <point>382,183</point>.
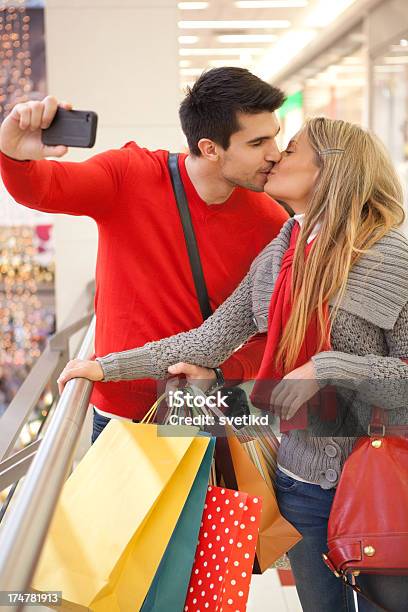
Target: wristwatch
<point>220,377</point>
<point>219,381</point>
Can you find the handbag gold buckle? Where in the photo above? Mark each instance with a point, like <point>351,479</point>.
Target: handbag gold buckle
<point>326,559</point>
<point>376,430</point>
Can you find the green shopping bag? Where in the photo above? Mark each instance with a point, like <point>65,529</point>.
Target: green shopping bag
<point>169,587</point>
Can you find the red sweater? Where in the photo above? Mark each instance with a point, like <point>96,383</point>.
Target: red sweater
<point>144,286</point>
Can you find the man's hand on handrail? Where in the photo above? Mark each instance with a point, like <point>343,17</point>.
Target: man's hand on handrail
<point>80,368</point>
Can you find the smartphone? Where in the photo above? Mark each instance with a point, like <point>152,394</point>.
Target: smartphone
<point>73,128</point>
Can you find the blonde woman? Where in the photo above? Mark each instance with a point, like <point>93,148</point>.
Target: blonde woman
<point>332,292</point>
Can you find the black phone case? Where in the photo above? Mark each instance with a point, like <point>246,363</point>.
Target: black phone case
<point>73,128</point>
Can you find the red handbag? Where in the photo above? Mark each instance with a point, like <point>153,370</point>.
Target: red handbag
<point>368,523</point>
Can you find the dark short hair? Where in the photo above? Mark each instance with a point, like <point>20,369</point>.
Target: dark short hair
<point>210,108</point>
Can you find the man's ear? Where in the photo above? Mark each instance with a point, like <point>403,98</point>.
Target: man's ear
<point>208,148</point>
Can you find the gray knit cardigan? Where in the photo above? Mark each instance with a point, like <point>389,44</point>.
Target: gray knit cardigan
<point>369,341</point>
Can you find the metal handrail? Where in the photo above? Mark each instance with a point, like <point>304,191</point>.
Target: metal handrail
<point>25,528</point>
<point>15,467</point>
<point>17,413</point>
<point>54,357</point>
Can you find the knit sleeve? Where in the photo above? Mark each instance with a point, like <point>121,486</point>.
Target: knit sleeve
<point>208,345</point>
<point>378,380</point>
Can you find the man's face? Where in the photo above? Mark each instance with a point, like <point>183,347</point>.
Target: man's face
<point>252,152</point>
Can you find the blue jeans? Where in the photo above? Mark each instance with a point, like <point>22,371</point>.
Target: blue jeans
<point>99,424</point>
<point>307,507</point>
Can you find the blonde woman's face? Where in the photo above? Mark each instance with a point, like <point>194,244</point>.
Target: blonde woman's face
<point>293,178</point>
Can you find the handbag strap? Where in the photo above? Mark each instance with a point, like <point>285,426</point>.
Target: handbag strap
<point>189,235</point>
<point>361,593</point>
<point>378,422</point>
<point>378,425</point>
<point>350,581</point>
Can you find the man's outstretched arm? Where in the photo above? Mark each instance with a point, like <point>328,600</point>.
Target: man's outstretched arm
<point>78,188</point>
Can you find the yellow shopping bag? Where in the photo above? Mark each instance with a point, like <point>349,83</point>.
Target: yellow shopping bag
<point>115,517</point>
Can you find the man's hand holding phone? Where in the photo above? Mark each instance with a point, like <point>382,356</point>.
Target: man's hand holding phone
<point>22,134</point>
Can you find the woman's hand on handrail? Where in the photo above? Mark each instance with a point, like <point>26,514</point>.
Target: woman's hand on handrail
<point>80,368</point>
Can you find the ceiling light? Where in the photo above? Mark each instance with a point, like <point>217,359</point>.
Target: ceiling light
<point>351,60</point>
<point>263,4</point>
<point>246,58</point>
<point>360,83</point>
<point>191,71</point>
<point>326,12</point>
<point>219,63</point>
<point>246,38</point>
<point>347,68</point>
<point>188,40</point>
<point>192,6</point>
<point>401,59</point>
<point>184,63</point>
<point>235,25</point>
<point>404,42</point>
<point>286,48</point>
<point>397,49</point>
<point>387,69</point>
<point>222,51</point>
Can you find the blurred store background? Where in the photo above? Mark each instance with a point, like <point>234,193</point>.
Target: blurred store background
<point>27,294</point>
<point>131,62</point>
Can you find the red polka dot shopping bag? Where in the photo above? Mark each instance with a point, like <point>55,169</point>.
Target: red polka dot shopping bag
<point>225,553</point>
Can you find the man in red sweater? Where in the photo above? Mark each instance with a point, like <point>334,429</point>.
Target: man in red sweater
<point>144,285</point>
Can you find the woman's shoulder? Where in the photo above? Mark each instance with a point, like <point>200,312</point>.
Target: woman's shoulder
<point>388,253</point>
<point>377,288</point>
<point>276,247</point>
<point>395,238</point>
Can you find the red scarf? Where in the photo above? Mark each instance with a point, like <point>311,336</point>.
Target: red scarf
<point>280,310</point>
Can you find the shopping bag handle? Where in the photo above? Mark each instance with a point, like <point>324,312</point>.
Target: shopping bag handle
<point>210,410</point>
<point>151,413</point>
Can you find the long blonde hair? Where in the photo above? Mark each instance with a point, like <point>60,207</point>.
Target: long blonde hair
<point>356,200</point>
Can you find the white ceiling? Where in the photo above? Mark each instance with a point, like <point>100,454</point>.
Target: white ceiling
<point>265,58</point>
